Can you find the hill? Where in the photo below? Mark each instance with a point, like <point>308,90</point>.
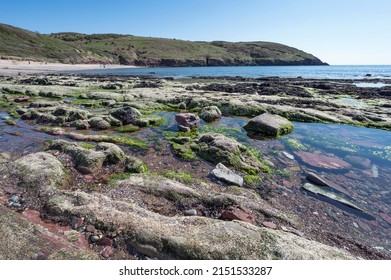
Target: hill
<point>144,51</point>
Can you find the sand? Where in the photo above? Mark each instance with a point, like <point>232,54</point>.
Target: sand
<point>14,67</point>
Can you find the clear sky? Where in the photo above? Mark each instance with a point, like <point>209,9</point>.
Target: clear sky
<point>336,31</point>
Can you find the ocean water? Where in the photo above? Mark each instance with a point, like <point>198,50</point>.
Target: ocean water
<point>318,72</point>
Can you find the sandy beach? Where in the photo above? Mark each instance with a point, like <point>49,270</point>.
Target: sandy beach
<point>15,67</point>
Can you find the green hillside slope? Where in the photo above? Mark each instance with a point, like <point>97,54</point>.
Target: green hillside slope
<point>147,51</point>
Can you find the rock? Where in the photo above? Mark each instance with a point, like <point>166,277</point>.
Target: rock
<point>43,104</point>
<point>221,172</point>
<point>364,226</point>
<point>238,212</point>
<point>99,123</point>
<point>25,238</point>
<point>127,115</point>
<point>81,124</point>
<point>135,165</point>
<point>269,225</point>
<point>191,212</point>
<point>320,181</point>
<point>90,228</point>
<point>210,113</point>
<point>292,230</point>
<point>375,171</point>
<point>182,128</point>
<point>188,237</point>
<point>187,120</point>
<point>358,161</point>
<point>321,161</point>
<point>107,252</point>
<point>22,98</point>
<point>39,169</point>
<point>385,217</point>
<point>217,148</point>
<point>104,241</point>
<point>94,238</point>
<point>86,161</point>
<point>336,197</point>
<point>77,222</point>
<point>288,155</point>
<point>269,125</point>
<point>14,198</point>
<point>113,153</point>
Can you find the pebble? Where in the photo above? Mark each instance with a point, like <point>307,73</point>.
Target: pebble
<point>288,155</point>
<point>90,228</point>
<point>269,225</point>
<point>105,242</point>
<point>191,212</point>
<point>14,198</point>
<point>375,171</point>
<point>355,224</point>
<point>107,252</point>
<point>77,222</point>
<point>94,238</point>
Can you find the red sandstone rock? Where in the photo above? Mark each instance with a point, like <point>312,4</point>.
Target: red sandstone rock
<point>238,212</point>
<point>322,161</point>
<point>269,225</point>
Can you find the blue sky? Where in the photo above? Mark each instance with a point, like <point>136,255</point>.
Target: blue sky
<point>336,31</point>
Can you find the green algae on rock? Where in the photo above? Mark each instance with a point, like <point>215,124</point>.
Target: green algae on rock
<point>269,125</point>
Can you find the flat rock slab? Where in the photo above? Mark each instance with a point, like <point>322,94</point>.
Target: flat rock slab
<point>269,125</point>
<point>320,181</point>
<point>321,161</point>
<point>223,173</point>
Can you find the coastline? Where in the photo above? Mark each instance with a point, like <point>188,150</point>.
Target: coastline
<point>15,67</point>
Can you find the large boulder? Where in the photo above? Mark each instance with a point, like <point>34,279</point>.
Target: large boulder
<point>39,169</point>
<point>269,125</point>
<point>127,114</point>
<point>217,148</point>
<point>187,121</point>
<point>210,113</point>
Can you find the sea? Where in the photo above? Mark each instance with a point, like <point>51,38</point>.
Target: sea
<point>313,72</point>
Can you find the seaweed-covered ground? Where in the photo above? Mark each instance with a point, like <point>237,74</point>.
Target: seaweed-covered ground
<point>95,167</point>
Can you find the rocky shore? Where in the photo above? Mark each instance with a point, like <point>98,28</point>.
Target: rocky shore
<point>118,167</point>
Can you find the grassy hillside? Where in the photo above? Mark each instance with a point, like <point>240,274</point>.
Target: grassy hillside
<point>135,50</point>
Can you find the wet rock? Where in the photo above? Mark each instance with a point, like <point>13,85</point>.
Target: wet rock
<point>210,113</point>
<point>81,124</point>
<point>94,238</point>
<point>188,120</point>
<point>191,212</point>
<point>135,165</point>
<point>385,217</point>
<point>270,225</point>
<point>107,252</point>
<point>99,123</point>
<point>288,155</point>
<point>223,173</point>
<point>336,197</point>
<point>358,161</point>
<point>238,212</point>
<point>217,148</point>
<point>127,115</point>
<point>269,125</point>
<point>321,161</point>
<point>22,98</point>
<point>182,128</point>
<point>320,181</point>
<point>113,153</point>
<point>43,104</point>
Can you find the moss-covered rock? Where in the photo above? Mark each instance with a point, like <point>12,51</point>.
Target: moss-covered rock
<point>269,125</point>
<point>210,113</point>
<point>113,153</point>
<point>135,165</point>
<point>39,169</point>
<point>217,148</point>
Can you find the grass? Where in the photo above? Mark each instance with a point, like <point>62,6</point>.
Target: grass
<point>135,50</point>
<point>180,176</point>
